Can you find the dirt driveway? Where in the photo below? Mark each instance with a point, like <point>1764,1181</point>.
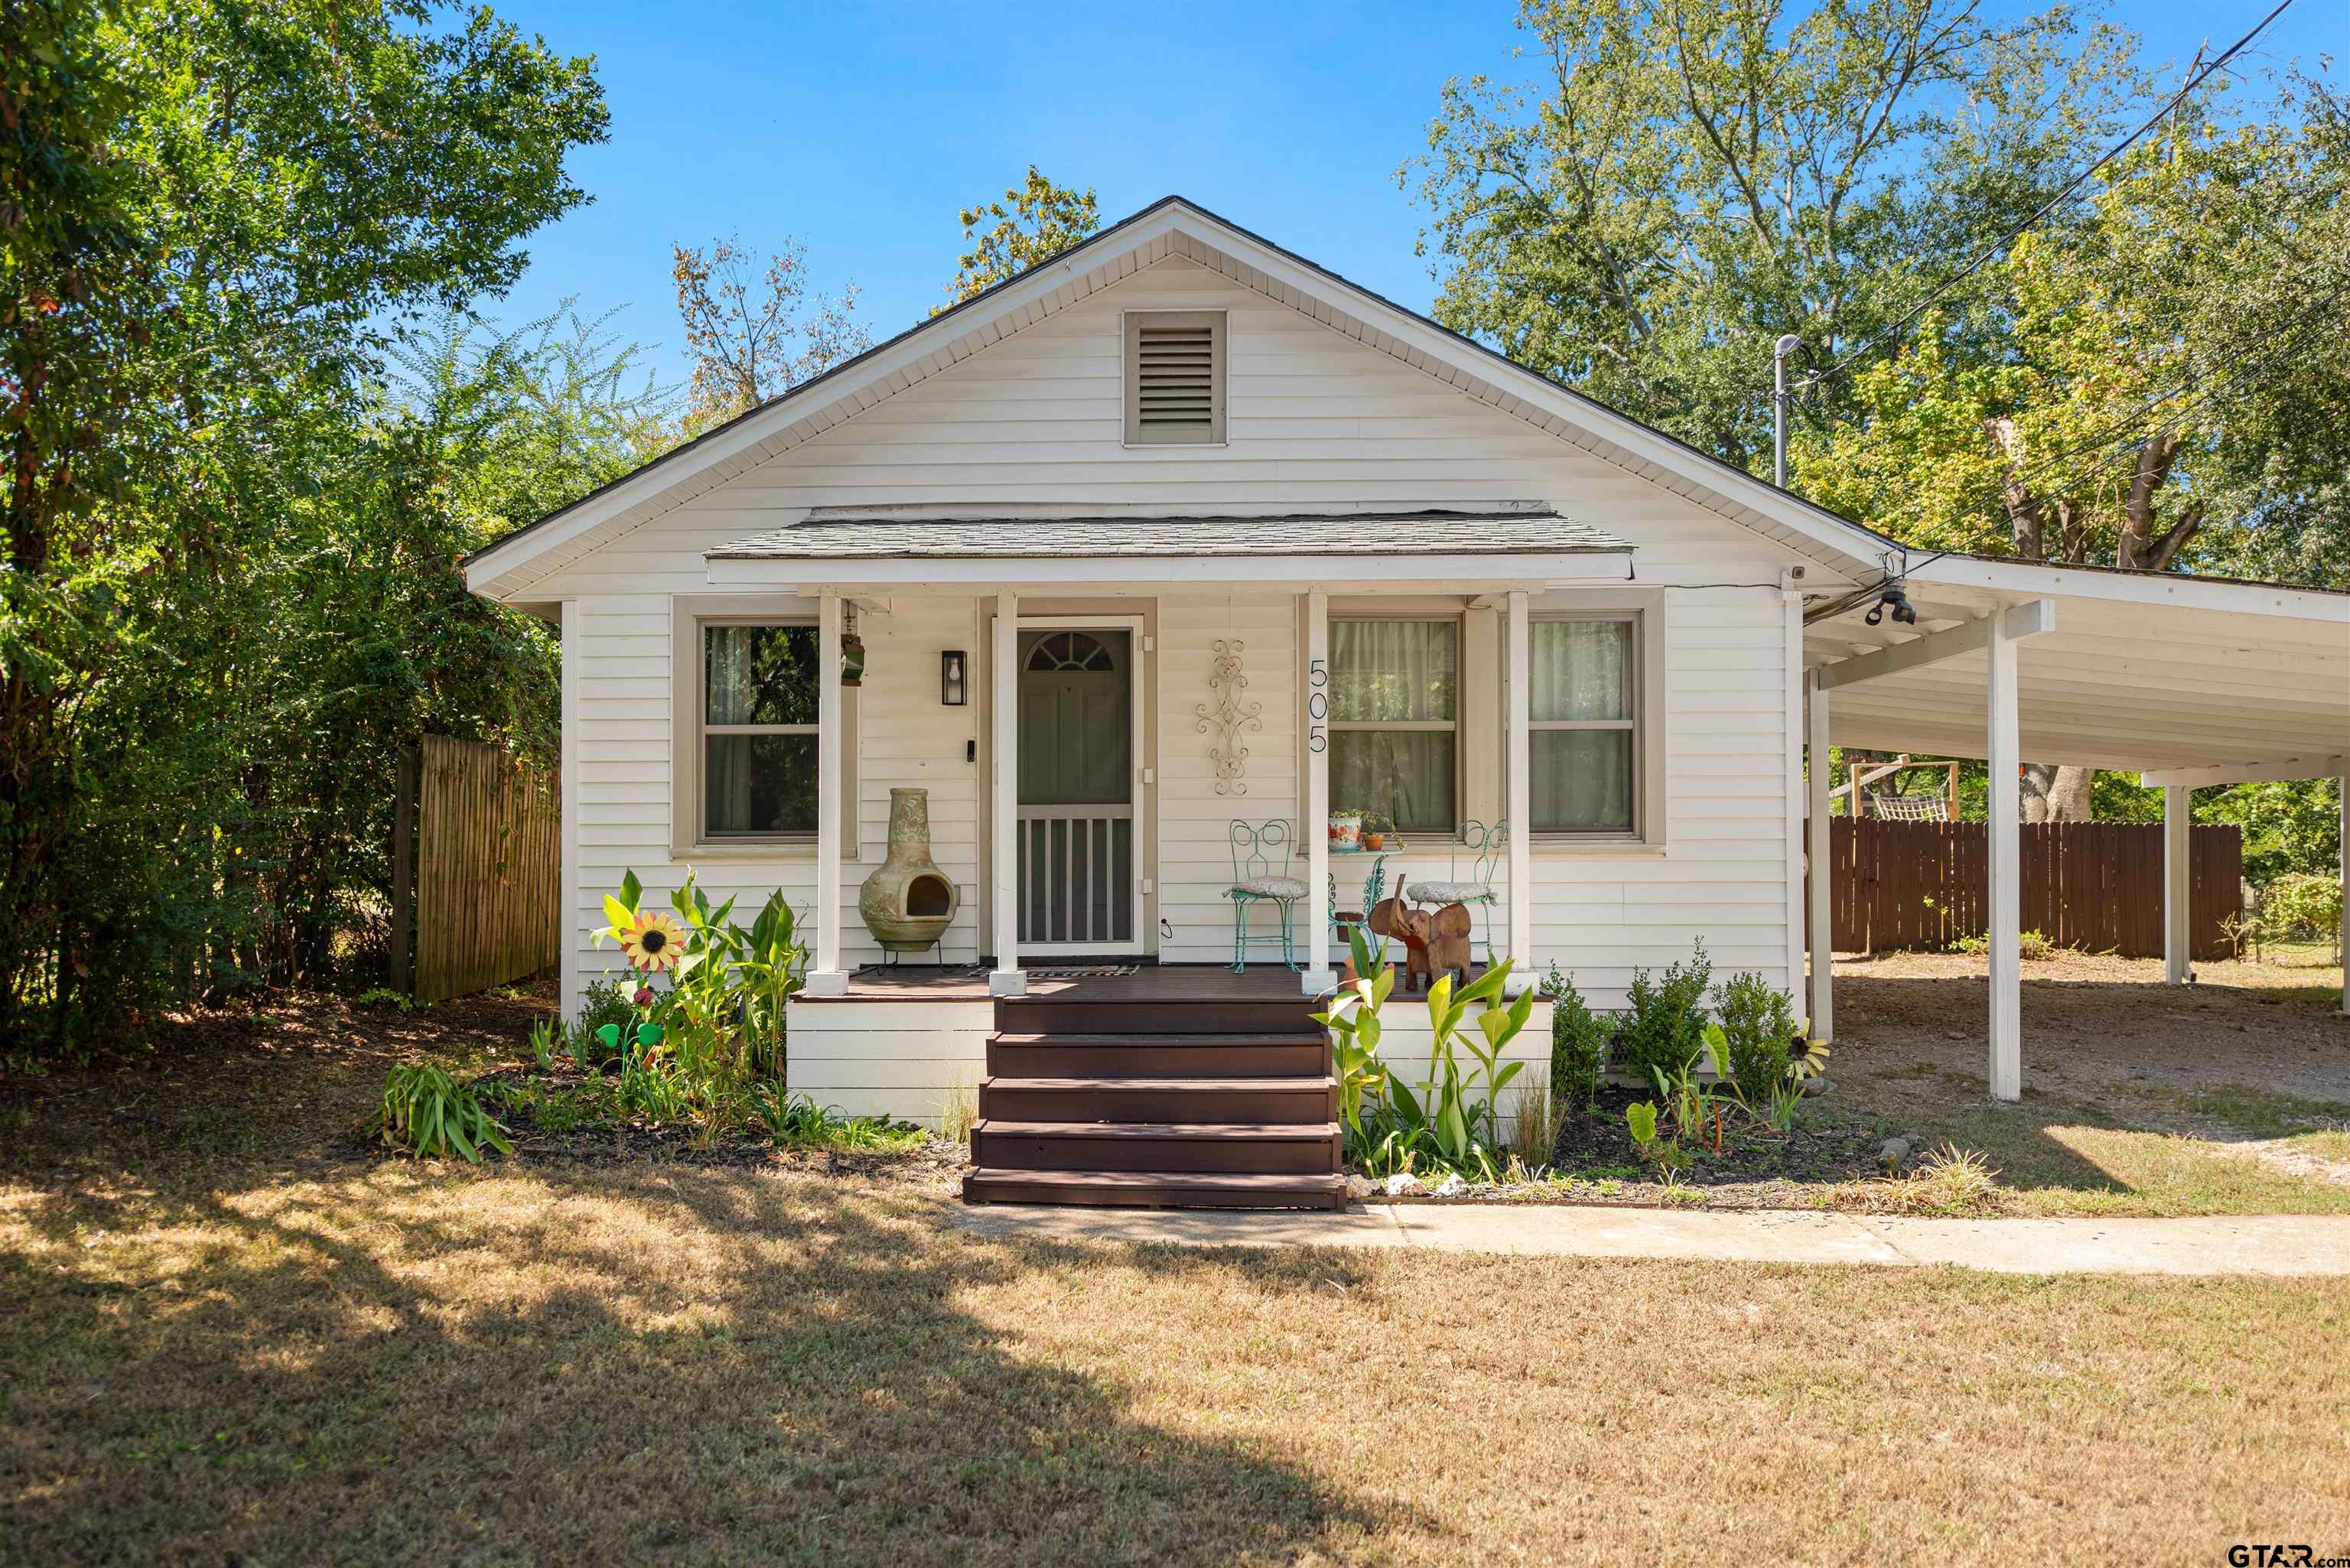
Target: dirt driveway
<point>2125,1079</point>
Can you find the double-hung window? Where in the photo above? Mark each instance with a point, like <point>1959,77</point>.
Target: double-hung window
<point>758,730</point>
<point>1394,721</point>
<point>1585,748</point>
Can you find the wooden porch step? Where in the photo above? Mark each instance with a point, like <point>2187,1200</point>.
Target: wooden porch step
<point>1138,1099</point>
<point>1146,1014</point>
<point>1293,1148</point>
<point>1266,1055</point>
<point>1155,1188</point>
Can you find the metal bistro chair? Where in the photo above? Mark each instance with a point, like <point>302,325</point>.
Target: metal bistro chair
<point>1486,846</point>
<point>1374,890</point>
<point>1261,852</point>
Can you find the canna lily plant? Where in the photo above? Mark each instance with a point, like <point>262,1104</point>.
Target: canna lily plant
<point>1353,1020</point>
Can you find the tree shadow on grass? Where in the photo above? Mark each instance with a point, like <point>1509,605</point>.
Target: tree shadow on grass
<point>593,1367</point>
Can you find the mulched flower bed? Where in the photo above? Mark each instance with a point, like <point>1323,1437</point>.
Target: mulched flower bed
<point>1822,1147</point>
<point>1595,1161</point>
<point>635,1141</point>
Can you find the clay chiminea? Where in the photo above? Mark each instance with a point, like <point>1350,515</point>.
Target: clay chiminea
<point>909,903</point>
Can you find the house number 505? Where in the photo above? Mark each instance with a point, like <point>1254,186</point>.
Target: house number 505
<point>1317,704</point>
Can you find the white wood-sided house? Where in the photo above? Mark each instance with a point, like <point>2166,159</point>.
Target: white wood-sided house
<point>1179,530</point>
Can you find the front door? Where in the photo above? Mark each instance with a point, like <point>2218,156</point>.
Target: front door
<point>1079,890</point>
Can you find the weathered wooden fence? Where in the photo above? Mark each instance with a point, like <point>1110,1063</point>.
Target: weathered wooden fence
<point>2090,884</point>
<point>477,871</point>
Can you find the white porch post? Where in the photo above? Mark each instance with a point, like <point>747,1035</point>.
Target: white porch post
<point>2005,809</point>
<point>2345,900</point>
<point>1795,801</point>
<point>573,650</point>
<point>1517,727</point>
<point>1007,979</point>
<point>1820,868</point>
<point>2177,886</point>
<point>826,977</point>
<point>1317,977</point>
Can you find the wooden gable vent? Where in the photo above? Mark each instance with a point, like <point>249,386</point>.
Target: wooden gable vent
<point>1174,377</point>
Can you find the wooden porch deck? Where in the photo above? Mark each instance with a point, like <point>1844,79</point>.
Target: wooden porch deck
<point>1176,985</point>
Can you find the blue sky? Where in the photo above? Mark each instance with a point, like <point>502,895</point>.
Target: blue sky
<point>860,129</point>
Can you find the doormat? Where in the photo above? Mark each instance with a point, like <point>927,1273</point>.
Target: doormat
<point>1086,972</point>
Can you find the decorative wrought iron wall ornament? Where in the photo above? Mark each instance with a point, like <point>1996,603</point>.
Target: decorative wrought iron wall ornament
<point>1228,716</point>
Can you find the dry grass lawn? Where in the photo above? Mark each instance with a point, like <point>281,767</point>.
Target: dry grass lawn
<point>663,1364</point>
<point>230,1334</point>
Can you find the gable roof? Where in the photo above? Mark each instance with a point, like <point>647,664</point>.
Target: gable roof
<point>1170,226</point>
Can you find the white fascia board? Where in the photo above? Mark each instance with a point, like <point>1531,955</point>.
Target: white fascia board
<point>2288,769</point>
<point>2136,588</point>
<point>2025,621</point>
<point>1415,574</point>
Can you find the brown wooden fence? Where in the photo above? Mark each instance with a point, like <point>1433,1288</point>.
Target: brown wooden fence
<point>2090,884</point>
<point>482,835</point>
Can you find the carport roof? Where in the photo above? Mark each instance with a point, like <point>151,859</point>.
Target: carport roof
<point>2142,672</point>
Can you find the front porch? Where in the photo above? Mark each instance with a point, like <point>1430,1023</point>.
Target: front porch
<point>1102,794</point>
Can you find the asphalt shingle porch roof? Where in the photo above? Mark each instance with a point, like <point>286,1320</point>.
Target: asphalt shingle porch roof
<point>1454,533</point>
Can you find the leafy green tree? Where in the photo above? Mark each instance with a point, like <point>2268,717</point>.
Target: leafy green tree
<point>2170,388</point>
<point>214,217</point>
<point>1690,179</point>
<point>1042,221</point>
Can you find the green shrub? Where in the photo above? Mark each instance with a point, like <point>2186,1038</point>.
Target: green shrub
<point>1758,1023</point>
<point>1664,1029</point>
<point>610,1000</point>
<point>427,1112</point>
<point>2302,903</point>
<point>2033,944</point>
<point>1579,1038</point>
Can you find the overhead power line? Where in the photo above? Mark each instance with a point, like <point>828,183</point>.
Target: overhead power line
<point>2000,245</point>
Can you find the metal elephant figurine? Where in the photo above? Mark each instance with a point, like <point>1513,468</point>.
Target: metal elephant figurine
<point>1434,941</point>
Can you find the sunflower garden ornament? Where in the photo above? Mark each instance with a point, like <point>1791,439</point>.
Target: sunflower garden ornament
<point>652,942</point>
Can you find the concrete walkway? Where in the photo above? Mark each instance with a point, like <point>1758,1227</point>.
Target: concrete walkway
<point>2254,1244</point>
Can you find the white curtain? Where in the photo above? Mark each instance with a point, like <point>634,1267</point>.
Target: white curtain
<point>1582,779</point>
<point>1394,671</point>
<point>1578,669</point>
<point>1391,671</point>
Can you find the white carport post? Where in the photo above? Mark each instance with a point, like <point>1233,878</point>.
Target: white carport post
<point>1007,979</point>
<point>1819,869</point>
<point>2176,784</point>
<point>2177,884</point>
<point>1518,785</point>
<point>827,978</point>
<point>1998,634</point>
<point>2004,810</point>
<point>1316,977</point>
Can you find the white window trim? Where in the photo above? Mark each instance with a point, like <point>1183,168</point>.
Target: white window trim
<point>1129,334</point>
<point>1453,726</point>
<point>689,735</point>
<point>1645,610</point>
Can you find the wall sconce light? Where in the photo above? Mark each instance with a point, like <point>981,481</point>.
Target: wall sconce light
<point>954,688</point>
